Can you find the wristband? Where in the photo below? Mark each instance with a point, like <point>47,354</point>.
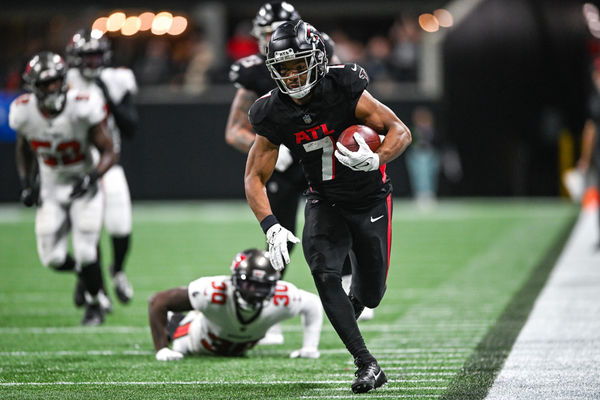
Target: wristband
<point>268,222</point>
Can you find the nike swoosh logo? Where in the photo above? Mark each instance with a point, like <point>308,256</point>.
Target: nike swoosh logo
<point>377,376</point>
<point>376,219</point>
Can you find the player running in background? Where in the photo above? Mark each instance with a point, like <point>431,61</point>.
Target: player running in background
<point>349,205</point>
<point>88,56</point>
<point>59,127</point>
<point>231,313</point>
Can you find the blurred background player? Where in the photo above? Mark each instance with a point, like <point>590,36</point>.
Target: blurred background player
<point>88,56</point>
<point>423,158</point>
<point>60,126</point>
<point>252,79</point>
<point>348,207</point>
<point>232,312</point>
<point>589,160</point>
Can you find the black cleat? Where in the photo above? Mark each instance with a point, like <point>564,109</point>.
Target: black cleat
<point>93,316</point>
<point>79,293</point>
<point>369,376</point>
<point>357,305</point>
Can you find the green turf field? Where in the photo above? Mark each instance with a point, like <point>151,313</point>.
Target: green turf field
<point>461,282</point>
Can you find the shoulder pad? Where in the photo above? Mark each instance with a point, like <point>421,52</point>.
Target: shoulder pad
<point>242,71</point>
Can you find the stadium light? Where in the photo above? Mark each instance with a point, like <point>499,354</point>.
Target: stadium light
<point>131,26</point>
<point>178,26</point>
<point>100,24</point>
<point>115,21</point>
<point>444,18</point>
<point>162,23</point>
<point>428,22</point>
<point>146,19</point>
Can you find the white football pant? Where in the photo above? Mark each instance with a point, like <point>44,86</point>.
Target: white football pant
<point>53,221</point>
<point>117,202</point>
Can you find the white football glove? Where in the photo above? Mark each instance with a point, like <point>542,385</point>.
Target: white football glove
<point>284,159</point>
<point>305,353</point>
<point>363,159</point>
<point>166,354</point>
<point>277,237</point>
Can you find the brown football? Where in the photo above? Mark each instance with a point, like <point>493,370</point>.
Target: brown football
<point>371,137</point>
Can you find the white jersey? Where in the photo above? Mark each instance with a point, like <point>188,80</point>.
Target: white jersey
<point>118,82</point>
<point>61,143</point>
<point>222,328</point>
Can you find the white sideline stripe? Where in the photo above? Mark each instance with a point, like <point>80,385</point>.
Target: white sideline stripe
<point>153,383</point>
<point>556,355</point>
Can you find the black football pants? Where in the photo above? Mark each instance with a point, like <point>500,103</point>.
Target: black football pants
<point>330,232</point>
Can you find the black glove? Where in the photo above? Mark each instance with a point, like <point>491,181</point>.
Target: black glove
<point>30,196</point>
<point>30,192</point>
<point>84,184</point>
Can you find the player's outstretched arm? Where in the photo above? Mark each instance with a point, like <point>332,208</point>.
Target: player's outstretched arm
<point>99,137</point>
<point>238,132</point>
<point>312,322</point>
<point>159,304</point>
<point>369,111</point>
<point>259,167</point>
<point>26,169</point>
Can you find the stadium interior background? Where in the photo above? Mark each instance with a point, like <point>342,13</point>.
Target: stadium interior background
<point>507,82</point>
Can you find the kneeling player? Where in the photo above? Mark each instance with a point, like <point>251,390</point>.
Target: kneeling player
<point>232,313</point>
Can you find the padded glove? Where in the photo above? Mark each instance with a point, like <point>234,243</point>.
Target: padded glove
<point>364,159</point>
<point>277,237</point>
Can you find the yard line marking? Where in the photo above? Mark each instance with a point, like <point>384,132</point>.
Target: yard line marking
<point>74,330</point>
<point>458,362</point>
<point>387,388</point>
<point>216,382</point>
<point>76,353</point>
<point>404,380</point>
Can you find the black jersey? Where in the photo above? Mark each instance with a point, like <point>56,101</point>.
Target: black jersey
<point>311,131</point>
<point>252,74</point>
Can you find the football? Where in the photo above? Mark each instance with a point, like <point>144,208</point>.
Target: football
<point>371,137</point>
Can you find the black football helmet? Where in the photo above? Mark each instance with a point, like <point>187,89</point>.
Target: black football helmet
<point>296,41</point>
<point>44,76</point>
<point>268,18</point>
<point>253,277</point>
<point>89,50</point>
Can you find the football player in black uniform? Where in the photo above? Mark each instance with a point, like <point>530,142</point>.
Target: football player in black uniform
<point>349,205</point>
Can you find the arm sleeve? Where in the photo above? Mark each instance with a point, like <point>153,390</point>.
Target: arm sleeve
<point>312,319</point>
